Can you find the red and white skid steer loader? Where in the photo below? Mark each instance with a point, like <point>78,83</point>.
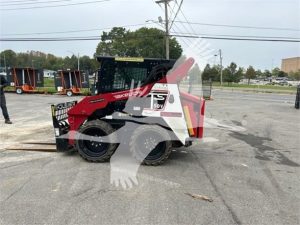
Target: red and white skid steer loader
<point>138,104</point>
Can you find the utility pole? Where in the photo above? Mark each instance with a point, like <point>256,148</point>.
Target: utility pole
<point>78,66</point>
<point>4,61</point>
<point>221,67</point>
<point>167,26</point>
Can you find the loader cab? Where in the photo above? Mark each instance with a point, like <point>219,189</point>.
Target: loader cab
<point>122,73</point>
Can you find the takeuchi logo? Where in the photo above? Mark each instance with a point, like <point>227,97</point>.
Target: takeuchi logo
<point>135,93</point>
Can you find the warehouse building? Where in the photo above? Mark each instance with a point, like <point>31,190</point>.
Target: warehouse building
<point>290,64</point>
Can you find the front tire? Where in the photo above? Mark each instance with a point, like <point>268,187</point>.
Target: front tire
<point>150,144</point>
<point>92,149</point>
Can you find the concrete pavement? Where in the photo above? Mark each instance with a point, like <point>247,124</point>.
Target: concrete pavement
<point>251,175</point>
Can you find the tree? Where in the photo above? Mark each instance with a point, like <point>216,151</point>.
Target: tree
<point>112,43</point>
<point>10,58</point>
<point>275,72</point>
<point>267,73</point>
<point>144,42</point>
<point>232,73</point>
<point>53,63</point>
<point>42,60</point>
<point>250,74</point>
<point>259,74</point>
<point>282,74</point>
<point>87,64</point>
<point>295,75</point>
<point>211,73</point>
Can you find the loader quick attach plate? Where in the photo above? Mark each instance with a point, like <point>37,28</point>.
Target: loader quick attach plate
<point>60,123</point>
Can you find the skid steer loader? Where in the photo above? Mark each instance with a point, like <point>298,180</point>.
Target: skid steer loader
<point>143,92</point>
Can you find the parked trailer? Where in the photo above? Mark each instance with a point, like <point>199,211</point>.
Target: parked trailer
<point>71,82</point>
<point>25,80</point>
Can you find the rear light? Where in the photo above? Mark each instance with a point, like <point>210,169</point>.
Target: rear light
<point>188,121</point>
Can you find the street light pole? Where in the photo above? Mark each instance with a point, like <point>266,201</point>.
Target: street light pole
<point>3,60</point>
<point>221,65</point>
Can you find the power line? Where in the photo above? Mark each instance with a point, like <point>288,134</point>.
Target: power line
<point>176,14</point>
<point>203,49</point>
<point>33,3</point>
<point>183,26</point>
<point>206,48</point>
<point>239,39</point>
<point>181,38</point>
<point>76,31</point>
<point>185,17</point>
<point>19,1</point>
<point>127,25</point>
<point>87,38</point>
<point>52,6</point>
<point>236,36</point>
<point>190,43</point>
<point>171,14</point>
<point>242,27</point>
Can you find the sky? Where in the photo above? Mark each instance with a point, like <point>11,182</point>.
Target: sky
<point>99,15</point>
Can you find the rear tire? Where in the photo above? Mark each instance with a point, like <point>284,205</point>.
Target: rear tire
<point>19,91</point>
<point>93,150</point>
<point>150,144</point>
<point>69,93</point>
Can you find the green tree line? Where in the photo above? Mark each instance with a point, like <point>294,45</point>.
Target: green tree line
<point>233,73</point>
<point>37,59</point>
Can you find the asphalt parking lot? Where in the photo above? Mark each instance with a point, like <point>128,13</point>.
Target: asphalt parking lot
<point>248,164</point>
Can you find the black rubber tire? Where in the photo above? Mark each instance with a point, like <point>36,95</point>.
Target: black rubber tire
<point>163,148</point>
<point>84,147</point>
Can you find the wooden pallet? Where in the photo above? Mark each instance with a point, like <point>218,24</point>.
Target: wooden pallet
<point>33,146</point>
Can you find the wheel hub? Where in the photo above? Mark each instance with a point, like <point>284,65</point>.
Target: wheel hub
<point>150,143</point>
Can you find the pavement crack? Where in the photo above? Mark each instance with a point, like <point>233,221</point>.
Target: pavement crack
<point>81,192</point>
<point>228,207</point>
<point>18,190</point>
<point>46,163</point>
